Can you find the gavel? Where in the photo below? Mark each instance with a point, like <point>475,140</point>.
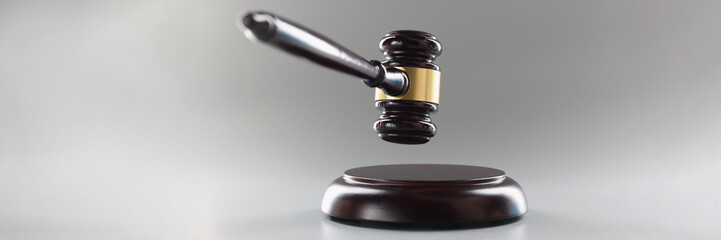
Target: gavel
<point>407,83</point>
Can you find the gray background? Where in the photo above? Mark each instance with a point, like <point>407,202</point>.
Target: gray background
<point>159,120</point>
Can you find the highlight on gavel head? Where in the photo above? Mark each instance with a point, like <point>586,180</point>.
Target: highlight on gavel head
<point>405,118</point>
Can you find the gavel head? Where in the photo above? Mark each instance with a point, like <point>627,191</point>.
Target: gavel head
<point>405,118</point>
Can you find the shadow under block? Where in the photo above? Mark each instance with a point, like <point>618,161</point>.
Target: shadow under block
<point>425,196</point>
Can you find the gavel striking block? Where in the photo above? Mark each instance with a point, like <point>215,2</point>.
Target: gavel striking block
<point>407,84</point>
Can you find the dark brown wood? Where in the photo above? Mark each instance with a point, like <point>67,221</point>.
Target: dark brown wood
<point>424,195</point>
<point>301,41</point>
<point>409,48</point>
<point>425,174</point>
<point>399,196</point>
<point>404,121</point>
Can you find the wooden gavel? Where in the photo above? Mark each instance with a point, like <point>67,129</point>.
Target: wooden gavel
<point>407,83</point>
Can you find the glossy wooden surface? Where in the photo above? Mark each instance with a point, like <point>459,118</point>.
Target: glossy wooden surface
<point>424,195</point>
<point>425,173</point>
<point>298,40</point>
<point>403,121</point>
<point>410,49</point>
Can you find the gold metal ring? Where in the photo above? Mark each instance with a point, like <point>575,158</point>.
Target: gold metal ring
<point>425,85</point>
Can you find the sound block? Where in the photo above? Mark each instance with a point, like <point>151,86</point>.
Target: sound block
<point>424,196</point>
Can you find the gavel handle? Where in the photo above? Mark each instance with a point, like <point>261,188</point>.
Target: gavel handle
<point>298,40</point>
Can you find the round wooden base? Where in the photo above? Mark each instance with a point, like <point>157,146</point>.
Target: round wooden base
<point>424,196</point>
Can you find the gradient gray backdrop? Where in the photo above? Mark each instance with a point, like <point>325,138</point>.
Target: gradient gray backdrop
<point>158,120</point>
